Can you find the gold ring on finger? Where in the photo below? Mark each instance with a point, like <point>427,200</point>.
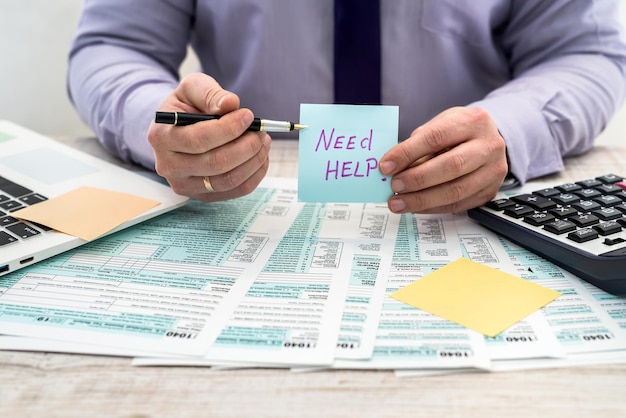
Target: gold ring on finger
<point>207,184</point>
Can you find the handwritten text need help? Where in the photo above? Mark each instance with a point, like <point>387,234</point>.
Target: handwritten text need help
<point>336,169</point>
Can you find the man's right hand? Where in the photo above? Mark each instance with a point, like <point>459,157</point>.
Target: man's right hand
<point>217,154</point>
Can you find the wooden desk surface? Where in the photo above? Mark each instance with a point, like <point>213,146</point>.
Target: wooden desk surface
<point>64,385</point>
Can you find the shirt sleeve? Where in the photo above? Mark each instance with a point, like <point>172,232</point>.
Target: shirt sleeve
<point>123,63</point>
<point>568,77</point>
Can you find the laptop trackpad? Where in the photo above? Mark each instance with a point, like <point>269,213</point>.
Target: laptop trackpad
<point>48,166</point>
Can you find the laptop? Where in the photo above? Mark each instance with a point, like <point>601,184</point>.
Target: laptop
<point>34,168</point>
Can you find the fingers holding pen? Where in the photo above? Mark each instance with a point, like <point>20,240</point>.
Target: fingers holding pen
<point>234,167</point>
<point>199,93</point>
<point>205,95</point>
<point>235,160</point>
<point>213,159</point>
<point>237,182</point>
<point>201,137</point>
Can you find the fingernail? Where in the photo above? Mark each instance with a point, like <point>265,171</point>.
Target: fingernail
<point>397,205</point>
<point>220,100</point>
<point>387,167</point>
<point>397,185</point>
<point>246,119</point>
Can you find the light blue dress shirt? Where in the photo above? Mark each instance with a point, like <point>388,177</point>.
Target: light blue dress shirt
<point>550,72</point>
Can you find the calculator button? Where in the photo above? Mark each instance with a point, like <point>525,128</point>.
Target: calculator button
<point>568,187</point>
<point>607,214</point>
<point>621,195</point>
<point>538,218</point>
<point>559,226</point>
<point>563,211</point>
<point>586,206</point>
<point>549,192</point>
<point>584,220</point>
<point>583,235</point>
<point>608,200</point>
<point>566,199</point>
<point>500,204</point>
<point>608,189</point>
<point>534,201</point>
<point>518,211</point>
<point>588,193</point>
<point>613,241</point>
<point>621,208</point>
<point>607,228</point>
<point>588,183</point>
<point>610,178</point>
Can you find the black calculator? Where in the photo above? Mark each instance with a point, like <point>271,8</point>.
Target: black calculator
<point>578,226</point>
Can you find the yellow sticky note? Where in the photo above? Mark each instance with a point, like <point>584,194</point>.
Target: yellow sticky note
<point>86,212</point>
<point>476,296</point>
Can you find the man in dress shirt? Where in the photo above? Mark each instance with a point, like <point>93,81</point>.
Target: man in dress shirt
<point>485,88</point>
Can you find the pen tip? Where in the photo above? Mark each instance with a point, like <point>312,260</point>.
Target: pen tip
<point>299,127</point>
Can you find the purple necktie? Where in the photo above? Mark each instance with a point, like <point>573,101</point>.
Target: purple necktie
<point>357,51</point>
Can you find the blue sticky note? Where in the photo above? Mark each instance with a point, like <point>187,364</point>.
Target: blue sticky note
<point>340,149</point>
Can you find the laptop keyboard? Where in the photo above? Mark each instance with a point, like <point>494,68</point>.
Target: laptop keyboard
<point>14,197</point>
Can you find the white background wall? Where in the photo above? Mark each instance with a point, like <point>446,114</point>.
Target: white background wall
<point>35,37</point>
<point>34,40</point>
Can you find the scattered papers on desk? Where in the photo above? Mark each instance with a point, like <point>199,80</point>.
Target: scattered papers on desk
<point>477,296</point>
<point>268,281</point>
<point>86,212</point>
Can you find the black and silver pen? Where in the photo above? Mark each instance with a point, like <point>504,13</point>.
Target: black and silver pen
<point>182,119</point>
